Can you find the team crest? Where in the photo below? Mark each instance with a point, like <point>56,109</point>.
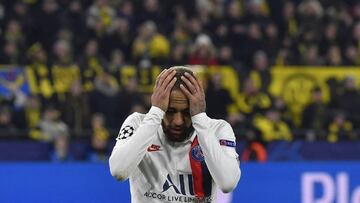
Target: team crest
<point>197,154</point>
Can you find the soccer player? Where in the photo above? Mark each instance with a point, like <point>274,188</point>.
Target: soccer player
<point>175,152</point>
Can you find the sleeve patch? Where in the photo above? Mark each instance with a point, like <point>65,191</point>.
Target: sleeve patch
<point>227,143</point>
<point>125,132</point>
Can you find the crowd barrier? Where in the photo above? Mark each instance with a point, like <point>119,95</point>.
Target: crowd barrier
<point>284,182</point>
<point>79,150</point>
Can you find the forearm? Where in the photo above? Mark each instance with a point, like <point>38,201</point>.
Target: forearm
<point>223,168</point>
<point>126,156</point>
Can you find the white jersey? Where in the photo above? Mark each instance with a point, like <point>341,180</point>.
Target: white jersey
<point>165,171</point>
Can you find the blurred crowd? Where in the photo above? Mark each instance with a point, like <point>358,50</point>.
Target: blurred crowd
<point>99,37</point>
<point>143,32</point>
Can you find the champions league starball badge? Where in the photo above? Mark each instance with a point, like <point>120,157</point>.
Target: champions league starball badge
<point>125,132</point>
<point>197,154</point>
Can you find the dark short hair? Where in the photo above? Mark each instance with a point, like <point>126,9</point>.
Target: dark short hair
<point>180,71</point>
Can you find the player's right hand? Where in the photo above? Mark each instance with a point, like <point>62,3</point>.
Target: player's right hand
<point>163,85</point>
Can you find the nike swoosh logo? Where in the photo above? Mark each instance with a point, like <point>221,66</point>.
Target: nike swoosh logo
<point>154,148</point>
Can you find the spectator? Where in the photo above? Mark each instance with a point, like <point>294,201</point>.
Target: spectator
<point>334,57</point>
<point>116,63</point>
<point>260,72</point>
<point>340,129</point>
<point>252,101</point>
<point>130,99</point>
<point>64,70</point>
<point>91,65</point>
<point>20,12</point>
<point>311,57</point>
<point>311,19</point>
<point>254,42</point>
<point>315,114</point>
<point>30,116</point>
<point>235,25</point>
<point>53,130</point>
<point>272,128</point>
<point>151,11</point>
<point>104,99</point>
<point>217,98</point>
<point>280,105</point>
<point>75,21</point>
<point>178,55</point>
<point>349,99</point>
<point>272,42</point>
<point>203,52</point>
<point>100,17</point>
<point>149,44</point>
<point>76,108</point>
<point>11,54</point>
<point>62,53</point>
<point>99,139</point>
<point>288,22</point>
<point>226,56</point>
<point>351,56</point>
<point>180,36</point>
<point>331,37</point>
<point>194,27</point>
<point>257,12</point>
<point>14,33</point>
<point>221,35</point>
<point>121,39</point>
<point>47,23</point>
<point>6,123</point>
<point>40,70</point>
<point>126,10</point>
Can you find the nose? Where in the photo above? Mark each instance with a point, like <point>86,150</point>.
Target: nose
<point>178,119</point>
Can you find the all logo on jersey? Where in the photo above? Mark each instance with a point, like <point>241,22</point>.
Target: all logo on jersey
<point>181,191</point>
<point>169,184</point>
<point>197,154</point>
<point>125,132</point>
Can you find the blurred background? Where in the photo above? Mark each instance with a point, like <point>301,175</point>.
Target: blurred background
<point>285,74</point>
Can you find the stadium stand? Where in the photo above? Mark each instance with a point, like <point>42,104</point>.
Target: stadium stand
<point>278,71</point>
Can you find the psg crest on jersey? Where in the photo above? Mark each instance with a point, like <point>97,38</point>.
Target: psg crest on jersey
<point>125,132</point>
<point>197,154</point>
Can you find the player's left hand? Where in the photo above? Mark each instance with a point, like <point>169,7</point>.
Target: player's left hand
<point>194,92</point>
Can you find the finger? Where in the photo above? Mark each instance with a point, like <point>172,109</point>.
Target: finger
<point>185,91</point>
<point>158,77</point>
<point>190,86</point>
<point>164,76</point>
<point>167,80</point>
<point>193,81</point>
<point>171,85</point>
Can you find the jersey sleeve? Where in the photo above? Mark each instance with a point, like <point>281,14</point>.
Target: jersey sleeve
<point>134,138</point>
<point>217,141</point>
<point>128,128</point>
